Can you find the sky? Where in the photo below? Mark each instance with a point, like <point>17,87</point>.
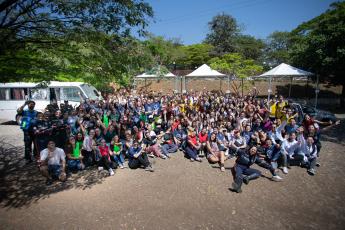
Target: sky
<point>187,19</point>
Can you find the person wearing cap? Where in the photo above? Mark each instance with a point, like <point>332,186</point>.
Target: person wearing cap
<point>243,171</point>
<point>193,146</point>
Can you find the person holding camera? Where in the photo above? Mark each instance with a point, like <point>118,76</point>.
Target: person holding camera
<point>28,116</point>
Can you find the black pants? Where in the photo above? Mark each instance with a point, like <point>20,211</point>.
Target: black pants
<point>89,158</point>
<point>142,160</point>
<point>107,163</point>
<point>28,141</point>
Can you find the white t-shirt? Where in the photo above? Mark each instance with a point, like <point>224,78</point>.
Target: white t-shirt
<point>55,158</point>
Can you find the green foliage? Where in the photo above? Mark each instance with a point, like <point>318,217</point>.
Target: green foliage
<point>223,32</point>
<point>319,45</point>
<point>249,47</point>
<point>235,64</point>
<point>277,48</point>
<point>194,55</point>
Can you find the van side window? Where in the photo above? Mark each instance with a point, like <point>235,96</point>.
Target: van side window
<point>70,94</point>
<point>39,94</point>
<point>18,93</point>
<point>4,94</point>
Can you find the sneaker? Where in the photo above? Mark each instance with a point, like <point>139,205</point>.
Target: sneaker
<point>192,159</point>
<point>311,172</point>
<point>100,168</point>
<point>285,170</point>
<point>246,180</point>
<point>151,155</point>
<point>201,155</point>
<point>277,178</point>
<point>198,159</point>
<point>111,172</point>
<point>163,157</point>
<point>122,167</point>
<point>235,188</point>
<point>318,164</point>
<point>222,169</point>
<point>149,168</point>
<point>168,156</point>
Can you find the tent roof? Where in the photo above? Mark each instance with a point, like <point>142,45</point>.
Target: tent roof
<point>285,70</point>
<point>205,71</point>
<point>145,75</point>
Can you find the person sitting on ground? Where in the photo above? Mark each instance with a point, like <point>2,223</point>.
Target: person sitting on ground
<point>168,144</point>
<point>203,136</point>
<point>309,151</point>
<point>137,158</point>
<point>214,155</point>
<point>193,146</point>
<point>74,157</point>
<point>52,163</point>
<point>117,151</point>
<point>243,172</point>
<point>180,137</point>
<point>151,140</point>
<point>289,150</point>
<point>105,158</point>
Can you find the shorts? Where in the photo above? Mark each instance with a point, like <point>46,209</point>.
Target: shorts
<point>54,170</point>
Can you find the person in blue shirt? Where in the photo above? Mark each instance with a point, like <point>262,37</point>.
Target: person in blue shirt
<point>28,116</point>
<point>137,158</point>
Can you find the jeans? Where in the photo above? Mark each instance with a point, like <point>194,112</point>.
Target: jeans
<point>141,160</point>
<point>75,165</point>
<point>119,159</point>
<point>169,148</point>
<point>154,149</point>
<point>242,171</point>
<point>191,152</point>
<point>54,171</point>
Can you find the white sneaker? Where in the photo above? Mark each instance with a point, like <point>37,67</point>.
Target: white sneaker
<point>285,170</point>
<point>100,168</point>
<point>111,172</point>
<point>277,178</point>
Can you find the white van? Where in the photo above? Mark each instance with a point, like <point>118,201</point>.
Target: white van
<point>13,95</point>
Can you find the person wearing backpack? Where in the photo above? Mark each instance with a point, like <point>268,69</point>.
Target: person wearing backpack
<point>28,116</point>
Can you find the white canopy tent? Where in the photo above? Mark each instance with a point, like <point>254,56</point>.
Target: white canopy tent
<point>284,70</point>
<point>148,76</point>
<point>205,72</point>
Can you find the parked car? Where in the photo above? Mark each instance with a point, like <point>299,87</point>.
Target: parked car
<point>317,114</point>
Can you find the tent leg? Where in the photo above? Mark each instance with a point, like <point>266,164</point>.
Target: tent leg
<point>229,84</point>
<point>269,92</point>
<point>290,87</point>
<point>220,84</point>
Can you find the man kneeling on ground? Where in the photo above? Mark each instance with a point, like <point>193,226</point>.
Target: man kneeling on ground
<point>52,163</point>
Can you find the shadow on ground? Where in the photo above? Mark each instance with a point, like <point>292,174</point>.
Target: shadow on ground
<point>335,133</point>
<point>21,184</point>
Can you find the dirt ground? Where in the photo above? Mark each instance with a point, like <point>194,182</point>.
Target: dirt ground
<point>179,195</point>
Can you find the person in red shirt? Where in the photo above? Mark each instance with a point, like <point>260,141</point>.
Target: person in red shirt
<point>193,146</point>
<point>203,141</point>
<point>105,159</point>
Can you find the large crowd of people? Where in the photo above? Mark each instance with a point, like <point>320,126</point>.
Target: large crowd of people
<point>127,128</point>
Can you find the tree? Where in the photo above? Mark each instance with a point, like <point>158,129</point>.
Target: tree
<point>223,32</point>
<point>235,64</point>
<point>319,46</point>
<point>194,55</point>
<point>71,40</point>
<point>277,48</point>
<point>249,47</point>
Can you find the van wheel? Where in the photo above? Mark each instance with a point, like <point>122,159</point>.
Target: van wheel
<point>18,119</point>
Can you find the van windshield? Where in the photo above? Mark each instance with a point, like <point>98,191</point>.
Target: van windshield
<point>91,92</point>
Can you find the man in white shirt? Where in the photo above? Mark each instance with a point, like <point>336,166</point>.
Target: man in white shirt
<point>52,163</point>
